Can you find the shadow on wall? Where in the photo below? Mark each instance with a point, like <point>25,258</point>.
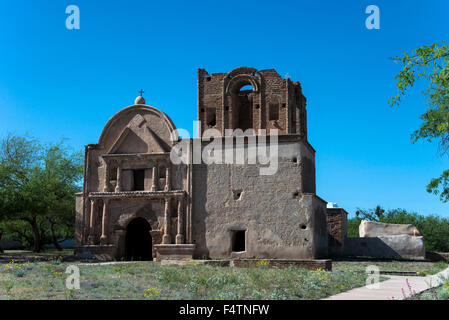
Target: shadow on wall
<point>372,247</point>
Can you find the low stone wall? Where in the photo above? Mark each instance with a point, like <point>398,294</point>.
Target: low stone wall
<point>174,251</point>
<point>325,264</point>
<point>398,247</point>
<point>97,252</point>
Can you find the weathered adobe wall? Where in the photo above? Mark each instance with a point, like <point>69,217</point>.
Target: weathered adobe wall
<point>280,213</point>
<point>337,225</point>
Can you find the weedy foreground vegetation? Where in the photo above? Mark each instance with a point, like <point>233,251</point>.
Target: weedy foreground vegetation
<point>439,293</point>
<point>422,268</point>
<point>151,280</point>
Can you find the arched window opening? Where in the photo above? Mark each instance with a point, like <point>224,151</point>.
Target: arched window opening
<point>243,107</point>
<point>247,87</point>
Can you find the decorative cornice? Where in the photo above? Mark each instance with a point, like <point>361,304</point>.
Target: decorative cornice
<point>137,194</point>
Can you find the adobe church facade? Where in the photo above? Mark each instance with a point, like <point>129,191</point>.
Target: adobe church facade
<point>137,204</point>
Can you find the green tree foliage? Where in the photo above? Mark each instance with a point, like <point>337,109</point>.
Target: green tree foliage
<point>430,63</point>
<point>375,214</point>
<point>37,187</point>
<point>353,227</point>
<point>434,229</point>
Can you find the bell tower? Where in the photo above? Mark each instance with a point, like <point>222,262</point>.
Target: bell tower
<point>246,98</point>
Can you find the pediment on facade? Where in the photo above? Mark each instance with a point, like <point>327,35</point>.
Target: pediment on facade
<point>137,137</point>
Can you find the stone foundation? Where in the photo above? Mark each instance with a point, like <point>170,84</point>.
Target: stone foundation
<point>97,252</point>
<point>174,251</point>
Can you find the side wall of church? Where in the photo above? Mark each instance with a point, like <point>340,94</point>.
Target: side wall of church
<point>280,213</point>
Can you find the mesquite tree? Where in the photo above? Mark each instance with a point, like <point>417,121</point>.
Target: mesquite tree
<point>430,63</point>
<point>37,187</point>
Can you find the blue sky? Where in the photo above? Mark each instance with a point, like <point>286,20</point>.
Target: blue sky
<point>58,83</point>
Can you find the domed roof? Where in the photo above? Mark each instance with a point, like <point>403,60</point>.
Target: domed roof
<point>139,100</point>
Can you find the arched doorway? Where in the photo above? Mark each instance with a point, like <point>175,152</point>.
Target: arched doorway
<point>138,242</point>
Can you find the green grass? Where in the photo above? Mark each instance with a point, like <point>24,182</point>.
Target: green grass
<point>423,267</point>
<point>151,280</point>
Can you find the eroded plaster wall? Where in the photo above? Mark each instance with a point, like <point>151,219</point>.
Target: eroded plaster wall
<point>280,214</point>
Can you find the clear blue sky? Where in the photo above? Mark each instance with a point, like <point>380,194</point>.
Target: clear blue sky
<point>57,83</point>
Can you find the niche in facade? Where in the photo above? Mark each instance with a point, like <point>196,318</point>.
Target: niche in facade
<point>139,180</point>
<point>211,116</point>
<point>273,111</point>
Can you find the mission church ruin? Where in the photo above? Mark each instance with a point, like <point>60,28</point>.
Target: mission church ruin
<point>137,204</point>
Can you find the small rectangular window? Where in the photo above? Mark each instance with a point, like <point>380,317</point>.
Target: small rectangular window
<point>139,180</point>
<point>238,240</point>
<point>113,174</point>
<point>161,172</point>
